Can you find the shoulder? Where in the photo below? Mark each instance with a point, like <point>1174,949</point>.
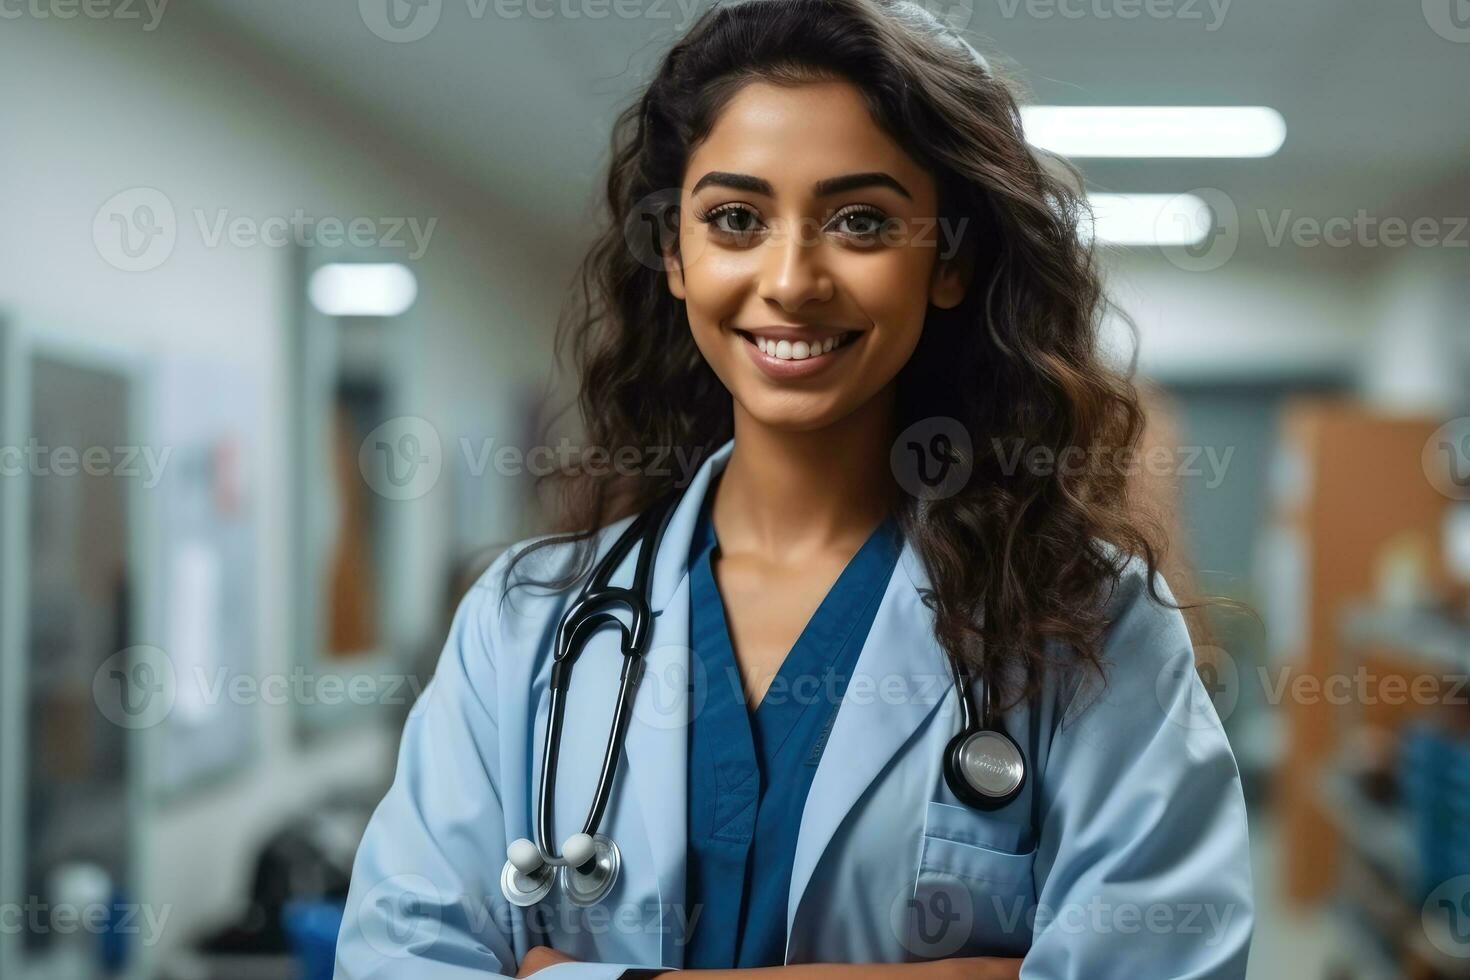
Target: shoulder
<point>1146,654</point>
<point>512,599</point>
<point>1137,599</point>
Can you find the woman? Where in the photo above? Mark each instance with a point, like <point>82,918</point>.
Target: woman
<point>866,322</point>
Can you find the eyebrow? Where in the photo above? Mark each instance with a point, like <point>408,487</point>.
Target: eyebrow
<point>822,188</point>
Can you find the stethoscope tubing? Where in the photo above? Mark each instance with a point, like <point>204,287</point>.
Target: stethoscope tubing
<point>593,610</point>
<point>589,613</point>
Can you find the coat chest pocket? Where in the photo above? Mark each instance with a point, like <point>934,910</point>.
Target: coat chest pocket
<point>974,894</point>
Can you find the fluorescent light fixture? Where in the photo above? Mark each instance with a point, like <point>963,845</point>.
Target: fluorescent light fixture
<point>362,288</point>
<point>1154,131</point>
<point>1149,219</point>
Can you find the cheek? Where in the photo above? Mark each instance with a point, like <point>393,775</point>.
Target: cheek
<point>892,290</point>
<point>715,284</point>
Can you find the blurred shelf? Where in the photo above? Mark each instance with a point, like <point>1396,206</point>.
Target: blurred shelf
<point>86,823</point>
<point>1425,634</point>
<point>1361,954</point>
<point>1442,963</point>
<point>193,965</point>
<point>1381,834</point>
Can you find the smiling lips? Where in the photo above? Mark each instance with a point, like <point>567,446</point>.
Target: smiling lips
<point>791,353</point>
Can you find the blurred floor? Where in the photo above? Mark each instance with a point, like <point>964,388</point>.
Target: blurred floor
<point>1288,943</point>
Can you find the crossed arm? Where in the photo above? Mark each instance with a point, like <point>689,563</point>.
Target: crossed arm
<point>1141,812</point>
<point>965,968</point>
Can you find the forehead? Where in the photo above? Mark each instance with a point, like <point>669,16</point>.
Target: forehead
<point>795,136</point>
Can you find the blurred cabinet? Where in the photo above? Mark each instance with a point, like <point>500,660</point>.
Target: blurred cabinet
<point>1350,490</point>
<point>75,700</point>
<point>361,467</point>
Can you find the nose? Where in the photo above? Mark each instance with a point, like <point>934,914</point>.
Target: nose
<point>793,270</point>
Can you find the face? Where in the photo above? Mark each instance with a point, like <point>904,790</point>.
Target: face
<point>806,291</point>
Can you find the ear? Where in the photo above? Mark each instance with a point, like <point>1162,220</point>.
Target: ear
<point>952,278</point>
<point>674,270</point>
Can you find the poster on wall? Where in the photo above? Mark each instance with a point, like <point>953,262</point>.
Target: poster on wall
<point>206,420</point>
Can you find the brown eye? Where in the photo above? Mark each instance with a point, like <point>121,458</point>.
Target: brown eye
<point>862,223</point>
<point>733,220</point>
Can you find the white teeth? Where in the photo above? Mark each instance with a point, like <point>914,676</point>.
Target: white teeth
<point>798,350</point>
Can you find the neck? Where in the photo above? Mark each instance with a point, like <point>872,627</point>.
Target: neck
<point>787,494</point>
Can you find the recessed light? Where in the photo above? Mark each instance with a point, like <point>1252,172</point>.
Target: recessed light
<point>362,288</point>
<point>1154,131</point>
<point>1149,219</point>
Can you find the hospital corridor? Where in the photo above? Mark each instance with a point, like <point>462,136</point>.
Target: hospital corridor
<point>308,309</point>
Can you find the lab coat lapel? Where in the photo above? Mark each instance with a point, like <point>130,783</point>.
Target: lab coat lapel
<point>657,744</point>
<point>872,725</point>
<point>900,677</point>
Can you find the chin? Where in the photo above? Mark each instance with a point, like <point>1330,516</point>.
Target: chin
<point>793,412</point>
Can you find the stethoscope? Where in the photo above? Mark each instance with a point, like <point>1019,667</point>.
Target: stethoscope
<point>983,766</point>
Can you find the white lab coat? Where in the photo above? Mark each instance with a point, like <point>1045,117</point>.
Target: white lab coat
<point>1125,855</point>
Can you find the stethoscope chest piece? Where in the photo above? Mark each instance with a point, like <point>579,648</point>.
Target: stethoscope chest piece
<point>526,888</point>
<point>983,765</point>
<point>587,883</point>
<point>984,769</point>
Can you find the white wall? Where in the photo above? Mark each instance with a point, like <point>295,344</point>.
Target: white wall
<point>1244,320</point>
<point>1398,326</point>
<point>96,107</point>
<point>1418,359</point>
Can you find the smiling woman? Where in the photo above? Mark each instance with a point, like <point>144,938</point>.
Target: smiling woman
<point>899,706</point>
<point>778,236</point>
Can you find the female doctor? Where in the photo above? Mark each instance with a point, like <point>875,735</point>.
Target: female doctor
<point>858,596</point>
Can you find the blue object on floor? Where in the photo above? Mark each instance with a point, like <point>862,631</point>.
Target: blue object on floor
<point>115,945</point>
<point>311,927</point>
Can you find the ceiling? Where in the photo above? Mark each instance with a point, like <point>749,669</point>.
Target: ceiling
<point>520,106</point>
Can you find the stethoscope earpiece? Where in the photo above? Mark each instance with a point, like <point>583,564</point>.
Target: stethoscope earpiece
<point>526,878</point>
<point>591,870</point>
<point>588,869</point>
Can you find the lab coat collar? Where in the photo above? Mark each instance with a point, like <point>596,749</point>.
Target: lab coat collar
<point>672,562</point>
<point>657,741</point>
<point>901,675</point>
<point>900,678</point>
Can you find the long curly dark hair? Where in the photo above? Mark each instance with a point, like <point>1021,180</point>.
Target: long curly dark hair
<point>1021,556</point>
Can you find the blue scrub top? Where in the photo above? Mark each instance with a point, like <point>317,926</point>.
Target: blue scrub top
<point>749,771</point>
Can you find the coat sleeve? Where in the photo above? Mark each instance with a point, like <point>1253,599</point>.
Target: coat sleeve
<point>1143,857</point>
<point>425,900</point>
